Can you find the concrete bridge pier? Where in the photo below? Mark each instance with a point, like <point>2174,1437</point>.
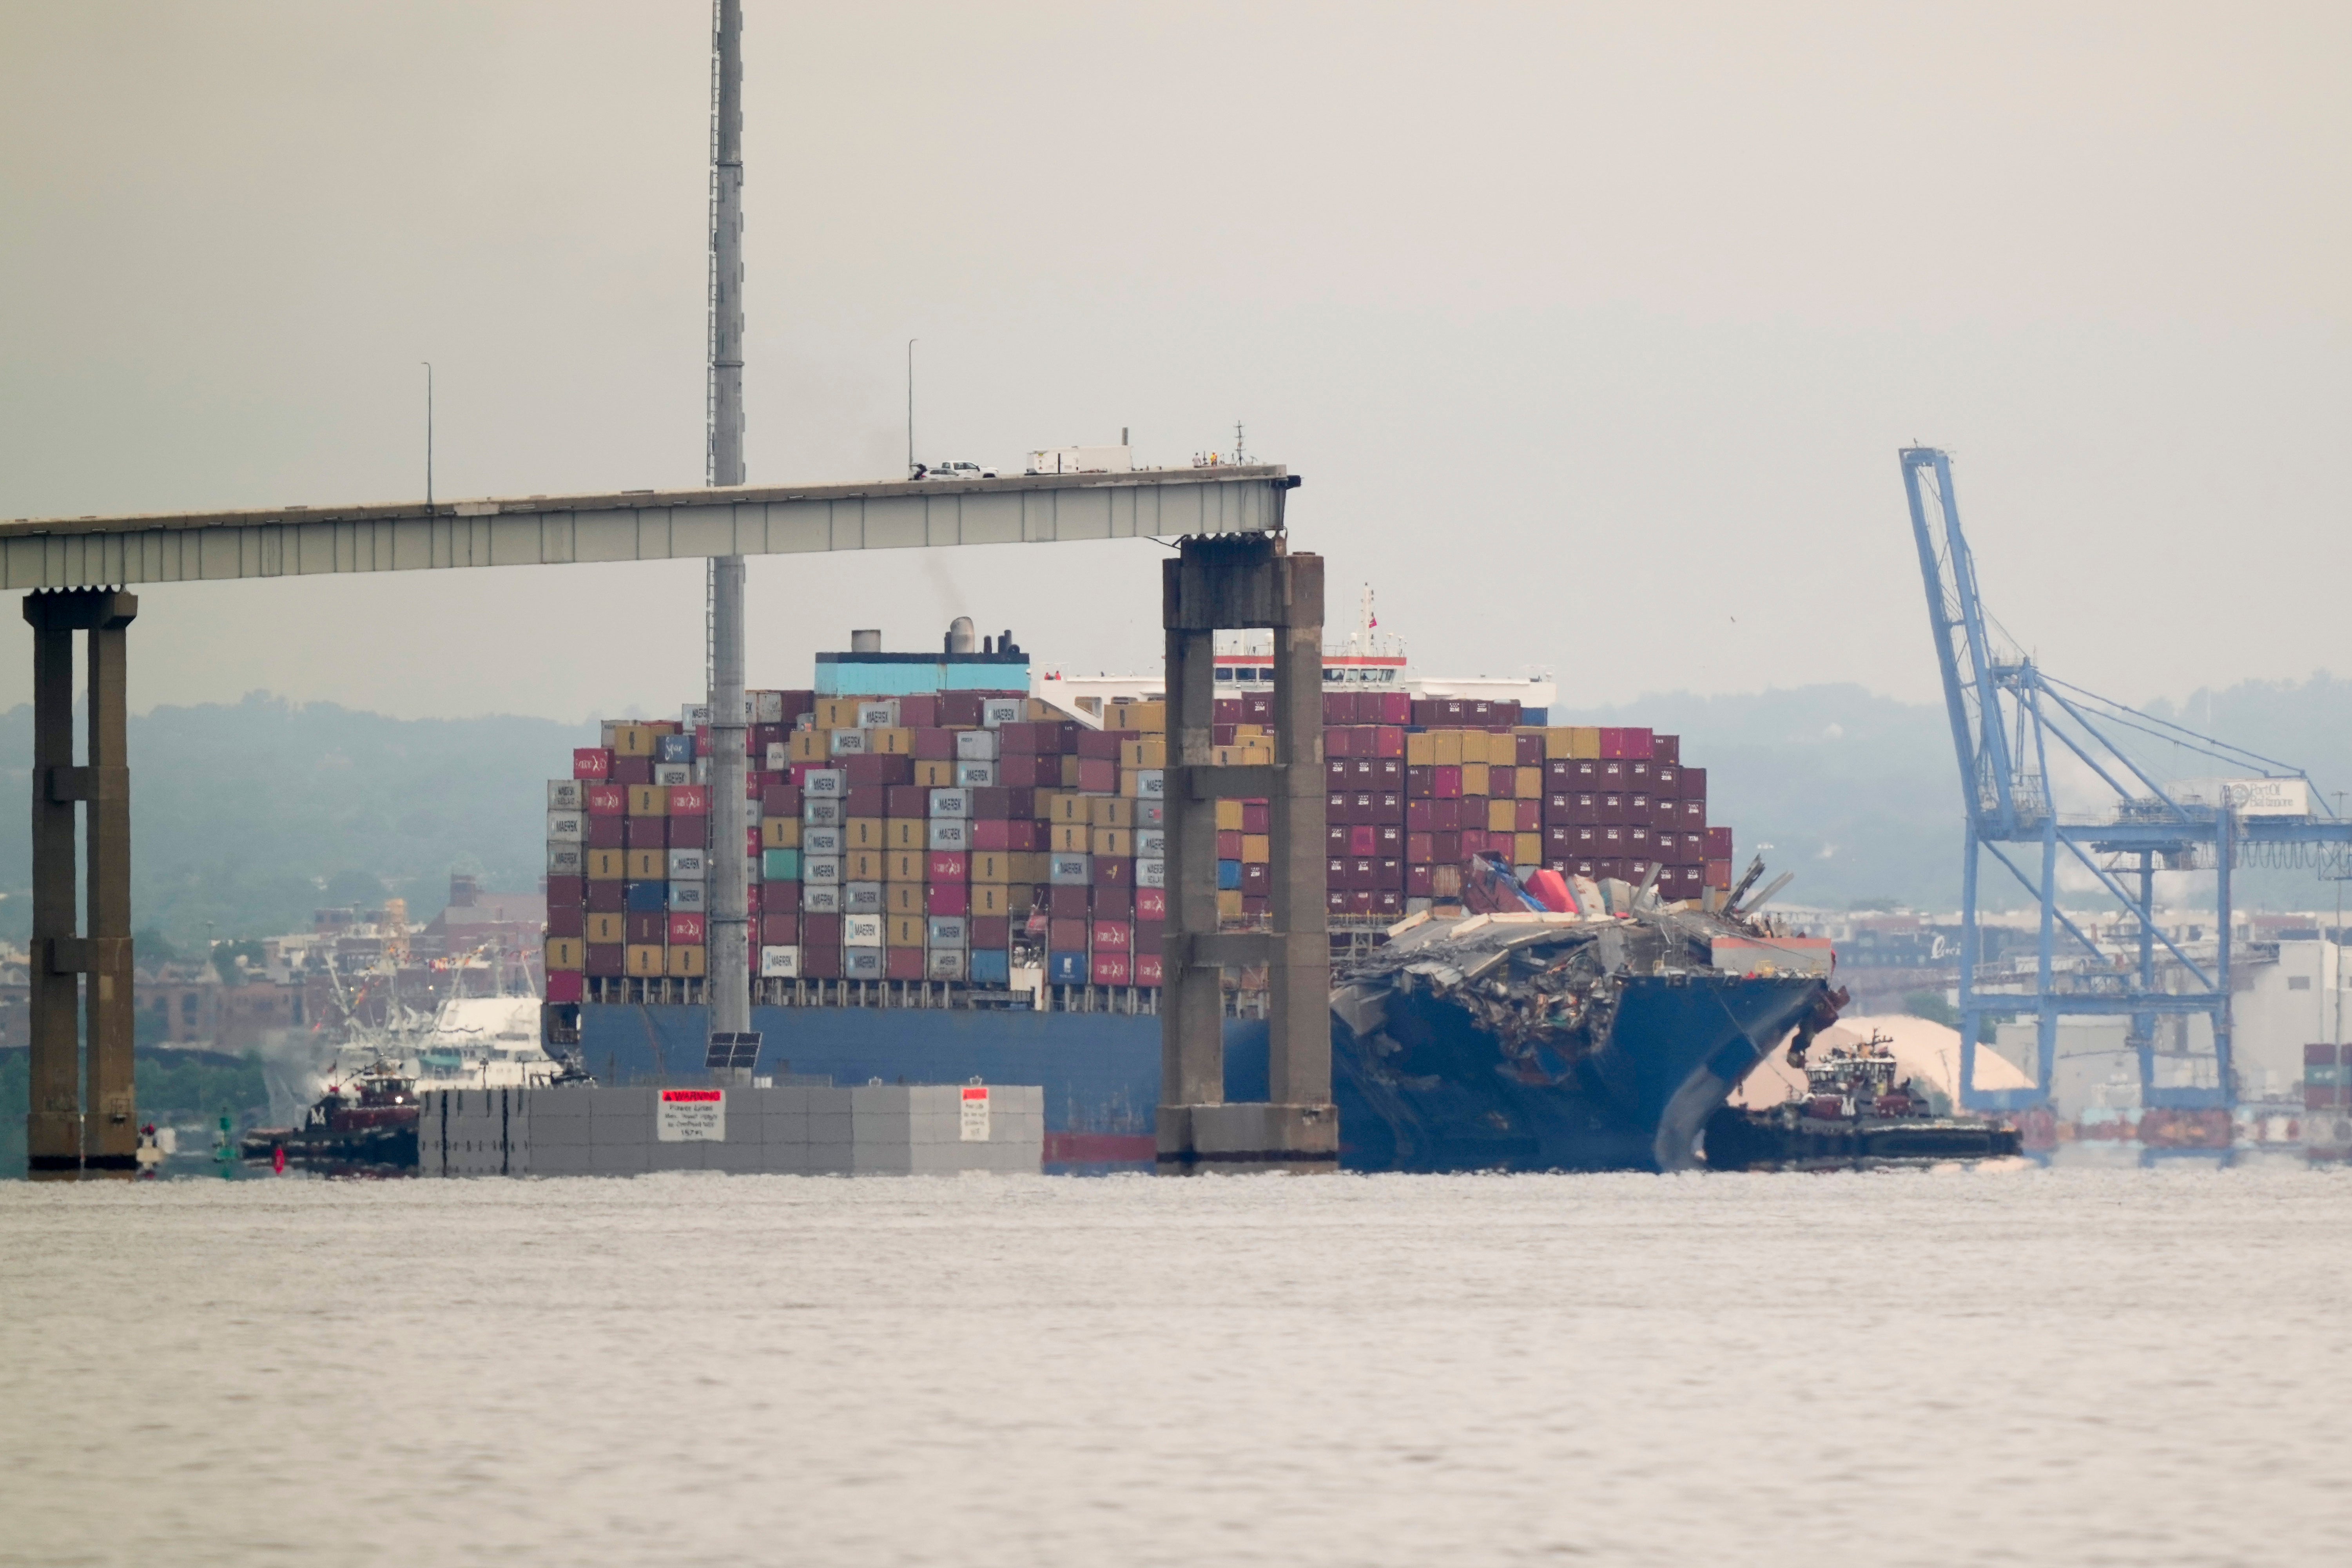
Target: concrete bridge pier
<point>83,1121</point>
<point>1246,582</point>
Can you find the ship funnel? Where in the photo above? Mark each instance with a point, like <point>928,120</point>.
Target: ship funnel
<point>959,636</point>
<point>866,641</point>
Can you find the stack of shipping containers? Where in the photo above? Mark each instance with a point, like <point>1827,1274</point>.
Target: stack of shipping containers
<point>949,836</point>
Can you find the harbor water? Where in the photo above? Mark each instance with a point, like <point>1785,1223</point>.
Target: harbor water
<point>1965,1366</point>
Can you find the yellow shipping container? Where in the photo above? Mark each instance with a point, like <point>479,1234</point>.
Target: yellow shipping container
<point>649,799</point>
<point>808,746</point>
<point>991,866</point>
<point>904,865</point>
<point>862,866</point>
<point>607,929</point>
<point>1229,816</point>
<point>1148,717</point>
<point>1257,848</point>
<point>935,776</point>
<point>836,712</point>
<point>862,833</point>
<point>1584,741</point>
<point>607,864</point>
<point>634,740</point>
<point>903,931</point>
<point>1229,905</point>
<point>1421,750</point>
<point>564,952</point>
<point>1070,837</point>
<point>1445,748</point>
<point>687,963</point>
<point>1110,811</point>
<point>988,898</point>
<point>1062,805</point>
<point>1526,784</point>
<point>1248,731</point>
<point>1527,848</point>
<point>647,865</point>
<point>1150,754</point>
<point>897,742</point>
<point>643,958</point>
<point>1555,743</point>
<point>779,833</point>
<point>1474,778</point>
<point>1112,841</point>
<point>1029,866</point>
<point>903,833</point>
<point>1501,815</point>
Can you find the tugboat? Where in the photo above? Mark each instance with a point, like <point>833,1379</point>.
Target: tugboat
<point>367,1129</point>
<point>1856,1111</point>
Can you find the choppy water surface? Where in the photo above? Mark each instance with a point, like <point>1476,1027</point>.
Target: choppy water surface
<point>1952,1368</point>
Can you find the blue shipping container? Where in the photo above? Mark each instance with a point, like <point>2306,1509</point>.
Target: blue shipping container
<point>1066,968</point>
<point>677,749</point>
<point>644,898</point>
<point>1229,876</point>
<point>990,966</point>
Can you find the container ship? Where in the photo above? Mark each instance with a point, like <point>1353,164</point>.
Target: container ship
<point>958,872</point>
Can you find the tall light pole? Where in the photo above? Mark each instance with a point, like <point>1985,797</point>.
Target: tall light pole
<point>726,918</point>
<point>910,405</point>
<point>428,433</point>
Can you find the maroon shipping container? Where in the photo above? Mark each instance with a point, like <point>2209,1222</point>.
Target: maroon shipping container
<point>779,897</point>
<point>934,745</point>
<point>902,963</point>
<point>605,960</point>
<point>643,832</point>
<point>780,931</point>
<point>685,929</point>
<point>1666,780</point>
<point>946,898</point>
<point>645,926</point>
<point>565,985</point>
<point>1225,711</point>
<point>1526,816</point>
<point>906,801</point>
<point>872,768</point>
<point>1339,707</point>
<point>1718,875</point>
<point>1112,969</point>
<point>1445,782</point>
<point>821,931</point>
<point>1114,871</point>
<point>781,800</point>
<point>1336,774</point>
<point>1337,807</point>
<point>633,771</point>
<point>1066,935</point>
<point>1693,784</point>
<point>1338,741</point>
<point>607,898</point>
<point>566,920</point>
<point>1666,750</point>
<point>1257,879</point>
<point>919,710</point>
<point>1718,844</point>
<point>1114,903</point>
<point>1068,903</point>
<point>571,890</point>
<point>1112,936</point>
<point>1152,904</point>
<point>820,962</point>
<point>960,710</point>
<point>991,932</point>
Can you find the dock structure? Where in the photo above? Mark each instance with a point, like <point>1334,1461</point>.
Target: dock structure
<point>73,572</point>
<point>1225,584</point>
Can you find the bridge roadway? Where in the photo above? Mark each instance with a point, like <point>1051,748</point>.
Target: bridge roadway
<point>638,525</point>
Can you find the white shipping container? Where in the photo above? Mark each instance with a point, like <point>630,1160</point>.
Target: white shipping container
<point>687,896</point>
<point>565,859</point>
<point>861,898</point>
<point>948,833</point>
<point>975,775</point>
<point>950,802</point>
<point>824,869</point>
<point>861,930</point>
<point>670,773</point>
<point>1150,814</point>
<point>882,714</point>
<point>1150,843</point>
<point>1070,870</point>
<point>767,707</point>
<point>779,962</point>
<point>943,963</point>
<point>694,715</point>
<point>820,901</point>
<point>566,827</point>
<point>945,931</point>
<point>689,865</point>
<point>1150,784</point>
<point>566,795</point>
<point>861,962</point>
<point>1118,460</point>
<point>821,810</point>
<point>1150,873</point>
<point>780,757</point>
<point>998,711</point>
<point>976,745</point>
<point>844,743</point>
<point>830,782</point>
<point>827,840</point>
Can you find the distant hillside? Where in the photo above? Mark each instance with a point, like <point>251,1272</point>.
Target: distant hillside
<point>246,817</point>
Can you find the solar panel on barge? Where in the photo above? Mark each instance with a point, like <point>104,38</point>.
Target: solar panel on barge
<point>732,1052</point>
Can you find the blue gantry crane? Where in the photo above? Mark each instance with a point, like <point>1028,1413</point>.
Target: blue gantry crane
<point>2010,720</point>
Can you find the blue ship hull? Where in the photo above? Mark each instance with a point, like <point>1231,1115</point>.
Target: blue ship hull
<point>1447,1103</point>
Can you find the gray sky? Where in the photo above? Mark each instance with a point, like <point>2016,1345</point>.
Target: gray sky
<point>1594,329</point>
